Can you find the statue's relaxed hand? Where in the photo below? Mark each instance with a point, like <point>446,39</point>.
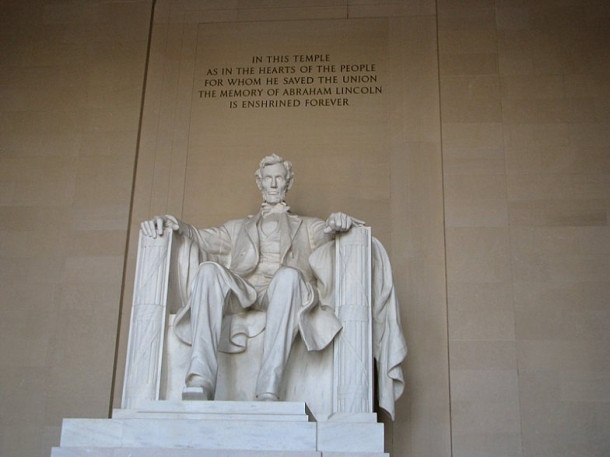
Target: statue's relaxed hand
<point>157,224</point>
<point>341,222</point>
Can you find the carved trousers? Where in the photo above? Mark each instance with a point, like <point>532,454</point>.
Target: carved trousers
<point>216,292</point>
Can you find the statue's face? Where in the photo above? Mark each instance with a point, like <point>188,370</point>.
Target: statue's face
<point>273,183</point>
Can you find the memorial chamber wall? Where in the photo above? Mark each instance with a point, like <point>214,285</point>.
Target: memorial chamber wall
<point>472,136</point>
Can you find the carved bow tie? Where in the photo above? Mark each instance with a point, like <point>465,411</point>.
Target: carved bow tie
<point>279,208</point>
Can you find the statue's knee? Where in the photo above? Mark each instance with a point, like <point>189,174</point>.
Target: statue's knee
<point>287,275</point>
<point>209,270</point>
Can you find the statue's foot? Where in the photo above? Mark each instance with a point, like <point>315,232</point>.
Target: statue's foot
<point>195,393</point>
<point>196,389</point>
<point>267,396</point>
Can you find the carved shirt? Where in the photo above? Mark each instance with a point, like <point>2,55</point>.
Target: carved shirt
<point>269,257</point>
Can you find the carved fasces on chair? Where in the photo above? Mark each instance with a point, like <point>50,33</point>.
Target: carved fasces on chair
<point>148,321</point>
<point>353,358</point>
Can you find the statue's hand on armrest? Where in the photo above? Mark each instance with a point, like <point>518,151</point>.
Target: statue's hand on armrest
<point>158,224</point>
<point>341,222</point>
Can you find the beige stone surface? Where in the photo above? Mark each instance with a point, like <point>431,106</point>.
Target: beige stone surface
<point>418,255</point>
<point>527,227</point>
<point>70,90</point>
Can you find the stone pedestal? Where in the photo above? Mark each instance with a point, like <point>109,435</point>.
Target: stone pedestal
<point>219,428</point>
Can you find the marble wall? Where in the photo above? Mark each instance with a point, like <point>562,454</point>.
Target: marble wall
<point>524,104</point>
<point>495,205</point>
<point>71,77</point>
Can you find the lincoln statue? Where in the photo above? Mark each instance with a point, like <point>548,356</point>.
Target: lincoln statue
<point>257,264</point>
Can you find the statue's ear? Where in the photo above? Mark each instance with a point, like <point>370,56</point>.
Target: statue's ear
<point>258,183</point>
<point>290,182</point>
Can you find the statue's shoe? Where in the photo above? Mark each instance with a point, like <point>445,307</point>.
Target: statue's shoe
<point>196,393</point>
<point>267,396</point>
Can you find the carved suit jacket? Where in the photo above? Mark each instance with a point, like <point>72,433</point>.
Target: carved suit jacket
<point>235,244</point>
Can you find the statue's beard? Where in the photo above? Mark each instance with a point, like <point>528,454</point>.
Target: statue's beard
<point>275,198</point>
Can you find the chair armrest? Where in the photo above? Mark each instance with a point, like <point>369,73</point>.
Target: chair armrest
<point>148,317</point>
<point>353,357</point>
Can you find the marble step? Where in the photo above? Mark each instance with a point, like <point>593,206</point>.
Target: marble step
<point>189,433</point>
<point>159,452</point>
<point>170,452</point>
<point>218,410</point>
<point>220,426</point>
<point>223,434</point>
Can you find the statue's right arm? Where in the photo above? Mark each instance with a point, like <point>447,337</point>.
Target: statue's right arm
<point>210,240</point>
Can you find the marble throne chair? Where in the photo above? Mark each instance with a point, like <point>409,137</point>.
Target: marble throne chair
<point>334,382</point>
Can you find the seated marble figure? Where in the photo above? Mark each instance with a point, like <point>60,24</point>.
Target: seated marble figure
<point>275,263</point>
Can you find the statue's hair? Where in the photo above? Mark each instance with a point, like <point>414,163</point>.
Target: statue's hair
<point>272,160</point>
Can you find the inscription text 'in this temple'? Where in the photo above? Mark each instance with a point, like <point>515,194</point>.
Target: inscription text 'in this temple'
<point>291,80</point>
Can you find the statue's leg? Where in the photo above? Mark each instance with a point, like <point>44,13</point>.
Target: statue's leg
<point>284,296</point>
<point>208,302</point>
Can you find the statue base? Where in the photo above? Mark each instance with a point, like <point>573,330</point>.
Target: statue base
<point>227,428</point>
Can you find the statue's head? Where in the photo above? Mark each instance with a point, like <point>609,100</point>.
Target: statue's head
<point>274,178</point>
